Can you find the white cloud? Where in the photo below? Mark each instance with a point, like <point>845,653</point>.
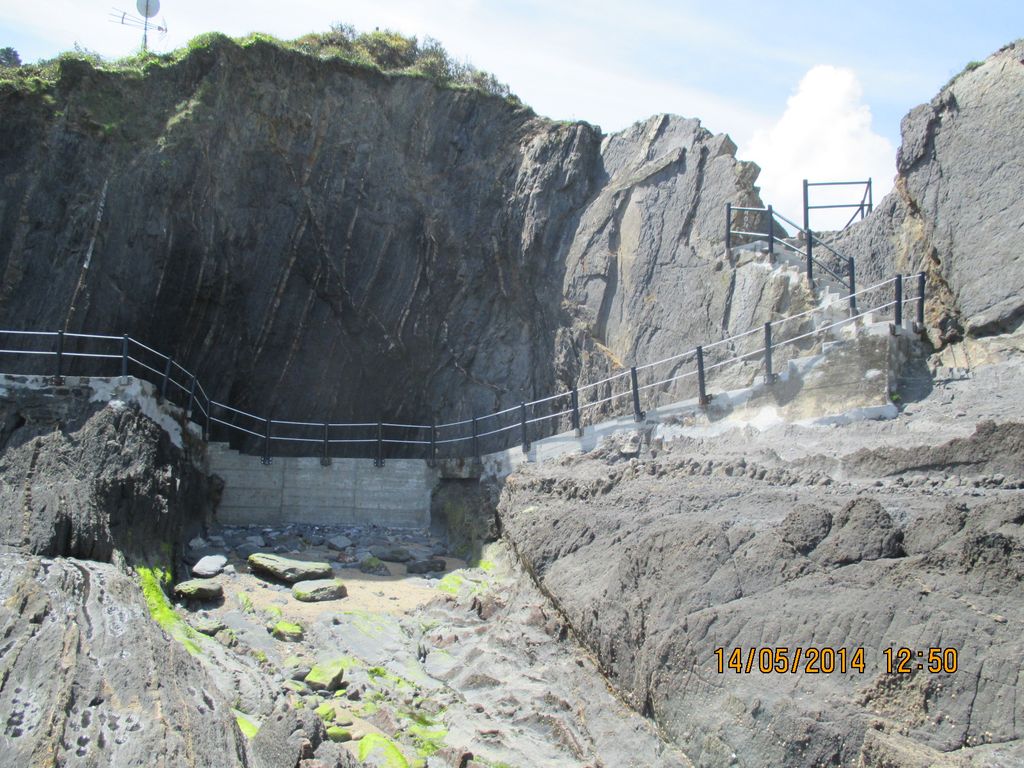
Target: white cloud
<point>825,134</point>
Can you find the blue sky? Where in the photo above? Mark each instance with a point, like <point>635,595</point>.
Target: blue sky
<point>739,66</point>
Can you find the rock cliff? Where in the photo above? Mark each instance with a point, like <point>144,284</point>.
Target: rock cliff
<point>958,206</point>
<point>319,239</point>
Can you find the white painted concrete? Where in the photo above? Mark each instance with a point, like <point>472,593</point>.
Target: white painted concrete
<point>301,490</point>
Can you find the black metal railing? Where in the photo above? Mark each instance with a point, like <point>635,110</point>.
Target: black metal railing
<point>627,393</point>
<point>772,230</point>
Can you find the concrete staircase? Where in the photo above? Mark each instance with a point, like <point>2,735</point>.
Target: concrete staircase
<point>301,490</point>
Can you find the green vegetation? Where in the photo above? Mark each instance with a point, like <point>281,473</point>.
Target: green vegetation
<point>287,631</point>
<point>153,582</point>
<point>9,57</point>
<point>245,603</point>
<point>971,66</point>
<point>326,712</point>
<point>383,749</point>
<point>337,733</point>
<point>451,583</point>
<point>245,725</point>
<point>383,51</point>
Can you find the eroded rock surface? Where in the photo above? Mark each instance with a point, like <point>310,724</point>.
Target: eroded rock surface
<point>90,679</point>
<point>657,561</point>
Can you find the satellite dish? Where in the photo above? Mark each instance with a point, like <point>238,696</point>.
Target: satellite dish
<point>148,8</point>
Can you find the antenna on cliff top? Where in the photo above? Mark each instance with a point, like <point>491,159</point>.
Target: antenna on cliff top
<point>147,10</point>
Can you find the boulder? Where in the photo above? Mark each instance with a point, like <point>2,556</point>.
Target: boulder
<point>374,566</point>
<point>433,565</point>
<point>209,566</point>
<point>391,553</point>
<point>339,543</point>
<point>286,569</point>
<point>327,676</point>
<point>199,589</point>
<point>287,631</point>
<point>318,590</point>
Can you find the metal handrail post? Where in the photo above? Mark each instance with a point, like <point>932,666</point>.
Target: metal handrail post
<point>808,238</point>
<point>771,235</point>
<point>191,397</point>
<point>899,303</point>
<point>871,202</point>
<point>432,461</point>
<point>638,415</point>
<point>167,377</point>
<point>920,301</point>
<point>575,398</point>
<point>769,375</point>
<point>851,269</point>
<point>266,444</point>
<point>325,459</point>
<point>124,358</point>
<point>206,422</point>
<point>728,228</point>
<point>476,439</point>
<point>522,425</point>
<point>58,379</point>
<point>702,392</point>
<point>379,460</point>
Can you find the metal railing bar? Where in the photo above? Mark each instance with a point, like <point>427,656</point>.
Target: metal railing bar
<point>559,415</point>
<point>148,367</point>
<point>836,183</point>
<point>500,429</point>
<point>788,221</point>
<point>735,359</point>
<point>824,267</point>
<point>25,351</point>
<point>199,405</point>
<point>497,413</point>
<point>606,400</point>
<point>235,426</point>
<point>727,339</point>
<point>665,360</point>
<point>791,247</point>
<point>593,384</point>
<point>148,349</point>
<point>751,210</point>
<point>260,419</point>
<point>406,442</point>
<point>749,234</point>
<point>844,321</point>
<point>455,424</point>
<point>455,439</point>
<point>668,381</point>
<point>548,399</point>
<point>296,439</point>
<point>362,424</point>
<point>406,426</point>
<point>92,336</point>
<point>317,424</point>
<point>844,205</point>
<point>353,439</point>
<point>31,333</point>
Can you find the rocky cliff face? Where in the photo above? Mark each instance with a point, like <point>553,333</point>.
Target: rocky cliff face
<point>958,206</point>
<point>322,240</point>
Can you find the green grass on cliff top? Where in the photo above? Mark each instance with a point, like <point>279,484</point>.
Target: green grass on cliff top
<point>384,51</point>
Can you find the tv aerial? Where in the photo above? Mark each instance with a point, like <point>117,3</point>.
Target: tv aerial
<point>147,10</point>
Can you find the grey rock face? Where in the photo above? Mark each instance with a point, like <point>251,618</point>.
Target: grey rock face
<point>477,254</point>
<point>71,691</point>
<point>959,202</point>
<point>658,561</point>
<point>114,483</point>
<point>390,553</point>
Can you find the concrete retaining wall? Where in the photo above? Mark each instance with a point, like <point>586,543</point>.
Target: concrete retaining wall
<point>300,490</point>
